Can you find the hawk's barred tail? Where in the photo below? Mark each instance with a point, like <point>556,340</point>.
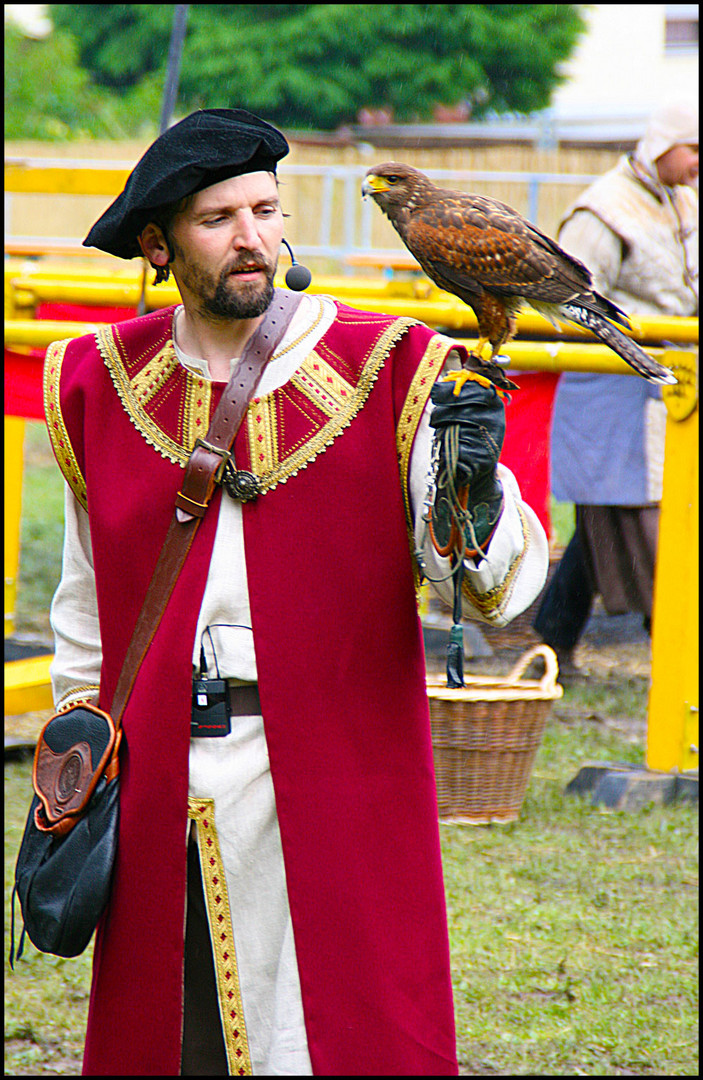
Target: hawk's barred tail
<point>630,352</point>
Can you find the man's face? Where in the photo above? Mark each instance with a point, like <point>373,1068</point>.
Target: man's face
<point>679,166</point>
<point>226,244</point>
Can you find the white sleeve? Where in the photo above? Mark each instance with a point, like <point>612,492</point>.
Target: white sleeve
<point>75,669</point>
<point>511,577</point>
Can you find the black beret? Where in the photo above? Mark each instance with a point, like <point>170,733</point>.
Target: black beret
<point>205,148</point>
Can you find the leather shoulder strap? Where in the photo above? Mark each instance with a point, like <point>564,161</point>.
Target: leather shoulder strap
<point>203,472</point>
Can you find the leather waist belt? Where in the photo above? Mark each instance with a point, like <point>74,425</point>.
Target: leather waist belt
<point>244,700</point>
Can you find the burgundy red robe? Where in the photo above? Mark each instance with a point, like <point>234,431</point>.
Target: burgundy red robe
<point>341,678</point>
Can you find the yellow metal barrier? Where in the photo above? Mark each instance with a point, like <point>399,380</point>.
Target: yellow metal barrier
<point>417,299</point>
<point>672,730</point>
<point>524,355</point>
<point>672,739</point>
<point>14,450</point>
<point>28,178</point>
<point>28,685</point>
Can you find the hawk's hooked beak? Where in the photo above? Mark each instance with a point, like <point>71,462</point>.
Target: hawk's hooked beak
<point>372,184</point>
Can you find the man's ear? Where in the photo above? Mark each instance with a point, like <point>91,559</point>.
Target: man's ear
<point>153,244</point>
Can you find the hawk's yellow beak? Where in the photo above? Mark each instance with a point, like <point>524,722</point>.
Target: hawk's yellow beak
<point>373,184</point>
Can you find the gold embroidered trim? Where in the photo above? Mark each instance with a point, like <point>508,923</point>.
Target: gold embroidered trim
<point>147,382</point>
<point>493,603</point>
<point>55,423</point>
<point>262,432</point>
<point>136,393</point>
<point>323,438</point>
<point>140,418</point>
<point>410,415</point>
<point>202,811</point>
<point>306,331</point>
<point>196,415</point>
<point>87,694</point>
<point>319,381</point>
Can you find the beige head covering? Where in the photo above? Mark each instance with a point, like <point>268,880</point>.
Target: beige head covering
<point>675,124</point>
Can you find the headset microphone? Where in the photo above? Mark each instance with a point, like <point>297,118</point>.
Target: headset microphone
<point>297,277</point>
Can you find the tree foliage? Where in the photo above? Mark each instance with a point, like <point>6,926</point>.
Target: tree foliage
<point>317,65</point>
<point>50,97</point>
<point>37,107</point>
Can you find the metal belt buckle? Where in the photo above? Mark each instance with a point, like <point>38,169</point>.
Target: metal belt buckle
<point>222,454</point>
<point>240,484</point>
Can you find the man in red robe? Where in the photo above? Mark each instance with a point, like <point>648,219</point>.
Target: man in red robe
<point>278,903</point>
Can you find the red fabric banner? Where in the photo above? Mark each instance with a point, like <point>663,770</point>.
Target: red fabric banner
<point>23,383</point>
<point>23,367</point>
<point>527,439</point>
<point>84,313</point>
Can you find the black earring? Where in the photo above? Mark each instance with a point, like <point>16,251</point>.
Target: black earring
<point>298,277</point>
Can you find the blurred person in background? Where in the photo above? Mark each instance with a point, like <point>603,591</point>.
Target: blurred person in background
<point>636,228</point>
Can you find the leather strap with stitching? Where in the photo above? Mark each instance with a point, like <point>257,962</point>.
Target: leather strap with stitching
<point>203,472</point>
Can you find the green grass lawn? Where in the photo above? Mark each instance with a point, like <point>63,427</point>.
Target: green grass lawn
<point>574,932</point>
<point>41,534</point>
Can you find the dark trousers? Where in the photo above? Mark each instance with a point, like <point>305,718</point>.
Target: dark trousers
<point>203,1052</point>
<point>566,604</point>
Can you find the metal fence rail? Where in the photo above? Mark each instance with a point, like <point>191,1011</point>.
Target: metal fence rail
<point>342,224</point>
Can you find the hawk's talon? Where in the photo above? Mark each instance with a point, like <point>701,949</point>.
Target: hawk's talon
<point>464,376</point>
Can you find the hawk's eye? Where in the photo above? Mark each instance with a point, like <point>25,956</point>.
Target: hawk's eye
<point>392,179</point>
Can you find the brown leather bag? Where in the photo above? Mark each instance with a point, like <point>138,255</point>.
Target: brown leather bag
<point>75,748</point>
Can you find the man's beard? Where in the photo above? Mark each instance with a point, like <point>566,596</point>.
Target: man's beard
<point>222,300</point>
<point>250,301</point>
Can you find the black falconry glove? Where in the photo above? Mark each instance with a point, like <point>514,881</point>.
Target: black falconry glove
<point>469,423</point>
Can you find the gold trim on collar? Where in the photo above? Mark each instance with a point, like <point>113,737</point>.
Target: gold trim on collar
<point>202,812</point>
<point>147,382</point>
<point>350,399</point>
<point>135,393</point>
<point>146,427</point>
<point>196,410</point>
<point>262,432</point>
<point>320,382</point>
<point>55,423</point>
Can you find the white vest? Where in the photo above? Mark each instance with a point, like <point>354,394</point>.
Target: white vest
<point>658,227</point>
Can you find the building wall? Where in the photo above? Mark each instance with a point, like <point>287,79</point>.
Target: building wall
<point>622,63</point>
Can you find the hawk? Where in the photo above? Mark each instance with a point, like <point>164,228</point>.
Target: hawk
<point>484,252</point>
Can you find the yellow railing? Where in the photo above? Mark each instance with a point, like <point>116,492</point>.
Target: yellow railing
<point>416,298</point>
<point>64,178</point>
<point>672,741</point>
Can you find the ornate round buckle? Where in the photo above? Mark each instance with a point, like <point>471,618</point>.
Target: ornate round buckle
<point>240,484</point>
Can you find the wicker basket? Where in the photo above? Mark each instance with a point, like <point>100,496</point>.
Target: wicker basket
<point>485,737</point>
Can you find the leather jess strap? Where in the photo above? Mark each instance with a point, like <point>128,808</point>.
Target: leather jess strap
<point>203,472</point>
